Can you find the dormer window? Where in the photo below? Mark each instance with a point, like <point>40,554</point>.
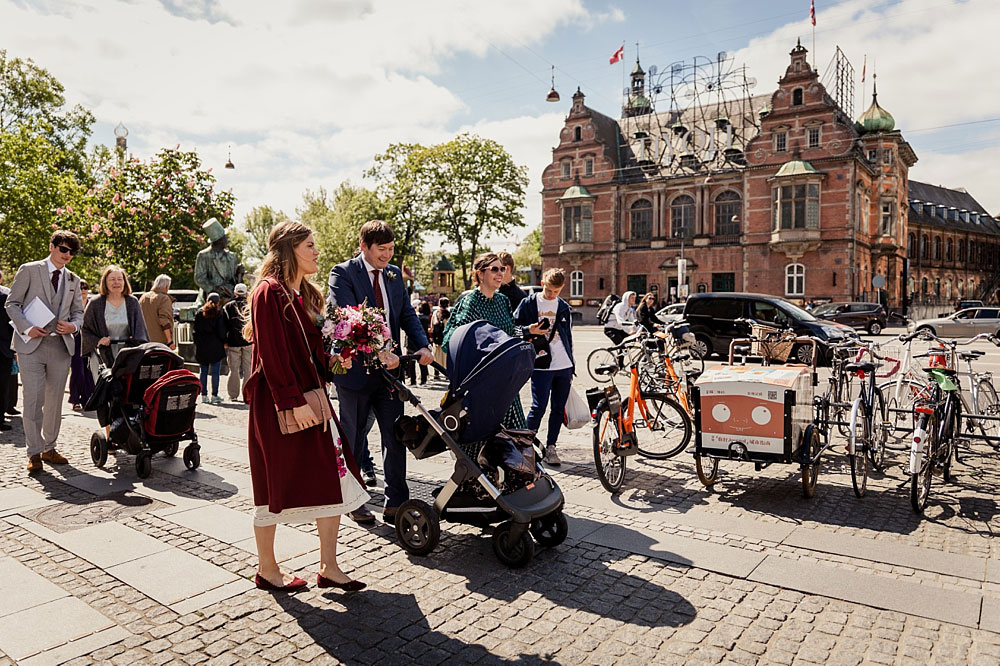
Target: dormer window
<point>780,142</point>
<point>813,134</point>
<point>965,216</point>
<point>918,206</point>
<point>577,133</point>
<point>953,214</point>
<point>797,97</point>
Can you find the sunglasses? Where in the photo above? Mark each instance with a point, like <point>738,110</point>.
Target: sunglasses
<point>494,269</point>
<point>66,250</point>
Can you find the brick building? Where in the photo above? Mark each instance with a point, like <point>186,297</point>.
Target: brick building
<point>781,194</point>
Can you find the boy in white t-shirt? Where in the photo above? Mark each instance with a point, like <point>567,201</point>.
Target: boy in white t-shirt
<point>553,383</point>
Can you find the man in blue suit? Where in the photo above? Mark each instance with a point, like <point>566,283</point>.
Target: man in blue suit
<point>369,277</point>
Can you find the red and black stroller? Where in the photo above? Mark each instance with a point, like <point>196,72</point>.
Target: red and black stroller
<point>148,399</point>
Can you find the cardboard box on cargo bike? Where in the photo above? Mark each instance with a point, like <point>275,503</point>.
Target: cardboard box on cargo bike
<point>753,413</point>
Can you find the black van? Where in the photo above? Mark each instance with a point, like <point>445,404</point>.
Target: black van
<point>712,318</point>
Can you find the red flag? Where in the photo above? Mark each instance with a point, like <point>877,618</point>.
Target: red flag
<point>812,11</point>
<point>618,55</point>
<point>864,68</point>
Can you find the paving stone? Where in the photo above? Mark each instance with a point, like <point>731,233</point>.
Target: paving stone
<point>21,637</point>
<point>171,576</point>
<point>32,589</point>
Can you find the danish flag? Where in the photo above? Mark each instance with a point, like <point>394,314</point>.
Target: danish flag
<point>812,12</point>
<point>618,55</point>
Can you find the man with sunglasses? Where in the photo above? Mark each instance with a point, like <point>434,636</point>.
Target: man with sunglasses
<point>45,351</point>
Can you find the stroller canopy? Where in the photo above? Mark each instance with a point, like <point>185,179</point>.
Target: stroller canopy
<point>489,367</point>
<point>130,358</point>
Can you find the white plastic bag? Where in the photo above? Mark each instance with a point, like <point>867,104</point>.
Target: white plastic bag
<point>577,414</point>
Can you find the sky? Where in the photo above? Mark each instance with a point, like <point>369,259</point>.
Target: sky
<point>303,93</point>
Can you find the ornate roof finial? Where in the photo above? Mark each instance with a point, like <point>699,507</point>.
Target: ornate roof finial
<point>874,87</point>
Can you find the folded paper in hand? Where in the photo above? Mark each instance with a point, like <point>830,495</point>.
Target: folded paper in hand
<point>38,314</point>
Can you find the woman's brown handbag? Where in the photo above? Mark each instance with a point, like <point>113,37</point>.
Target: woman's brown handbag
<point>316,398</point>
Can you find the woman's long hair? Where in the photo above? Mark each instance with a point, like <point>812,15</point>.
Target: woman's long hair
<point>280,263</point>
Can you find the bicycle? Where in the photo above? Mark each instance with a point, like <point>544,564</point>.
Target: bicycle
<point>868,425</point>
<point>616,434</point>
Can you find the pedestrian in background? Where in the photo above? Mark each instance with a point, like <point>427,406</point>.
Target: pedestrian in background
<point>114,315</point>
<point>509,286</point>
<point>551,384</point>
<point>81,380</point>
<point>646,313</point>
<point>424,315</point>
<point>209,334</point>
<point>621,323</point>
<point>158,312</point>
<point>439,318</point>
<point>238,349</point>
<point>44,358</point>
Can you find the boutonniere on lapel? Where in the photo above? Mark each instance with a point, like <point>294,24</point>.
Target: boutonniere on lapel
<point>390,276</point>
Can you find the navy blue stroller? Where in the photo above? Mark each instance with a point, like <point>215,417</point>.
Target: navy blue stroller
<point>496,477</point>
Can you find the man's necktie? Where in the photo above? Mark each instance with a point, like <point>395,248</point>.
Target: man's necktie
<point>55,280</point>
<point>378,290</point>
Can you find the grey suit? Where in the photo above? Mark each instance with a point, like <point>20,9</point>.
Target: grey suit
<point>44,362</point>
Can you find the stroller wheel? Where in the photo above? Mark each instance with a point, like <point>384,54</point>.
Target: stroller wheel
<point>417,527</point>
<point>192,457</point>
<point>171,449</point>
<point>551,530</point>
<point>99,448</point>
<point>144,465</point>
<point>512,552</point>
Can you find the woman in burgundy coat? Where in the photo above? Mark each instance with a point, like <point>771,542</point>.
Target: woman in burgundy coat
<point>308,475</point>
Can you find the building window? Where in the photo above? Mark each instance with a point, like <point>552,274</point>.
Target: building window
<point>795,280</point>
<point>961,250</point>
<point>814,137</point>
<point>588,167</point>
<point>947,289</point>
<point>723,282</point>
<point>728,207</point>
<point>924,250</point>
<point>577,133</point>
<point>923,286</point>
<point>937,287</point>
<point>949,250</point>
<point>797,97</point>
<point>796,207</point>
<point>873,155</point>
<point>887,218</point>
<point>937,248</point>
<point>636,283</point>
<point>576,284</point>
<point>887,156</point>
<point>780,142</point>
<point>911,246</point>
<point>567,167</point>
<point>682,217</point>
<point>578,224</point>
<point>642,220</point>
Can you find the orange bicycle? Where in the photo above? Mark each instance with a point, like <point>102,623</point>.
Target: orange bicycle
<point>618,422</point>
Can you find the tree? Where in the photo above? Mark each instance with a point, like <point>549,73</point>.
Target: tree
<point>405,197</point>
<point>530,252</point>
<point>147,216</point>
<point>249,239</point>
<point>336,221</point>
<point>474,189</point>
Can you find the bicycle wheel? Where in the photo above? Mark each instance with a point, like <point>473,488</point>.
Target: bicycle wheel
<point>812,445</point>
<point>948,436</point>
<point>859,442</point>
<point>610,465</point>
<point>842,395</point>
<point>708,476</point>
<point>987,404</point>
<point>880,427</point>
<point>666,428</point>
<point>602,364</point>
<point>899,411</point>
<point>921,463</point>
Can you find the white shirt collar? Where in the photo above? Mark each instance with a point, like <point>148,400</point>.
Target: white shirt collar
<point>368,267</point>
<point>52,267</point>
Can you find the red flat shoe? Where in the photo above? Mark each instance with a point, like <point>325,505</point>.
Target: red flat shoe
<point>349,586</point>
<point>264,584</point>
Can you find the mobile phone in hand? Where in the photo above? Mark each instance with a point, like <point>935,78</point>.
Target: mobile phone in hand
<point>544,324</point>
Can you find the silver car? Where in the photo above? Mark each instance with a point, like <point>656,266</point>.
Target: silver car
<point>962,324</point>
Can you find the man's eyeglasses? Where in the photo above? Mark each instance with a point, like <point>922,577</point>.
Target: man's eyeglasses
<point>66,250</point>
<point>494,269</point>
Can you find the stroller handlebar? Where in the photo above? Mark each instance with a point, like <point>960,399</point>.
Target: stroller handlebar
<point>405,358</point>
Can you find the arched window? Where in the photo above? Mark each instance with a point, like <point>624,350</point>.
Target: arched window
<point>923,286</point>
<point>576,284</point>
<point>728,208</point>
<point>949,250</point>
<point>797,97</point>
<point>911,245</point>
<point>937,248</point>
<point>961,250</point>
<point>924,250</point>
<point>642,220</point>
<point>682,217</point>
<point>577,133</point>
<point>947,289</point>
<point>960,289</point>
<point>795,280</point>
<point>937,287</point>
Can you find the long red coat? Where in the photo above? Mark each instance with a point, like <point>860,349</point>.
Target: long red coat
<point>298,470</point>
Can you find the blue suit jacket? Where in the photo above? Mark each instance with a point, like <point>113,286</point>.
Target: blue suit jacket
<point>351,285</point>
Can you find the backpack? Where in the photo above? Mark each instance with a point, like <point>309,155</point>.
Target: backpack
<point>604,312</point>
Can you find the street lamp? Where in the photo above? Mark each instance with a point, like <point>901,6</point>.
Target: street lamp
<point>553,96</point>
<point>229,161</point>
<point>121,141</point>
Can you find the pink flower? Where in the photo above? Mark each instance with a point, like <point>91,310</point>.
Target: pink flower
<point>190,184</point>
<point>131,210</point>
<point>69,210</point>
<point>59,211</point>
<point>110,253</point>
<point>95,227</point>
<point>191,209</point>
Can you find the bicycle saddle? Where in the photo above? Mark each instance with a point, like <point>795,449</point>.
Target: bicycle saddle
<point>863,366</point>
<point>971,354</point>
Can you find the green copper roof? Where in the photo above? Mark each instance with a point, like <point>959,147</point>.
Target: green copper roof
<point>576,192</point>
<point>876,119</point>
<point>795,168</point>
<point>638,102</point>
<point>444,264</point>
<point>637,69</point>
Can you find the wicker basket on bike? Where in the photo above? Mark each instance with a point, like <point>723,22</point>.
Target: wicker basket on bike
<point>771,342</point>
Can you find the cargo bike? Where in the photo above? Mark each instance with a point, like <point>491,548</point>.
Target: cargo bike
<point>764,414</point>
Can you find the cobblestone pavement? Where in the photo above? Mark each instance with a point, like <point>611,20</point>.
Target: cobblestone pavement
<point>111,569</point>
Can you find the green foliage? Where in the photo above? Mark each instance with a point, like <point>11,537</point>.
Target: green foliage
<point>147,216</point>
<point>530,252</point>
<point>405,197</point>
<point>249,239</point>
<point>336,220</point>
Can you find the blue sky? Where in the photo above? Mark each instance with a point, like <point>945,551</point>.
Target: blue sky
<point>307,91</point>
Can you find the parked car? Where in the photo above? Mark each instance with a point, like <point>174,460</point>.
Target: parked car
<point>712,318</point>
<point>870,317</point>
<point>673,312</point>
<point>182,298</point>
<point>963,324</point>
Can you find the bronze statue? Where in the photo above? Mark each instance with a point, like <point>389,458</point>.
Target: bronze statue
<point>216,268</point>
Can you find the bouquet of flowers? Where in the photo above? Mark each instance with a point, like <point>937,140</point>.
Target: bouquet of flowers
<point>356,332</point>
